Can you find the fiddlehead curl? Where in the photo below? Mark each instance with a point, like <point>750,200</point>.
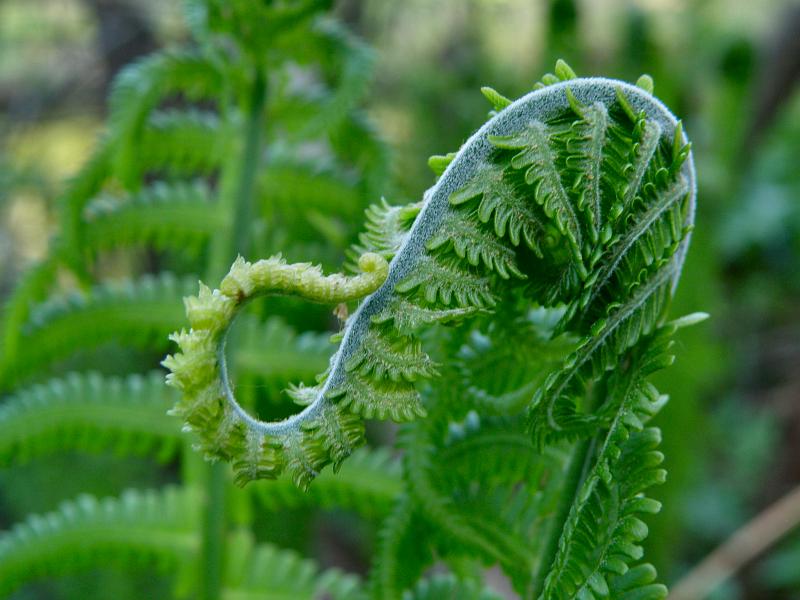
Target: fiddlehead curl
<point>579,195</point>
<point>321,433</point>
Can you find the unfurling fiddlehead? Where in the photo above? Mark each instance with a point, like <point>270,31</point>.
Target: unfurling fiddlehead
<point>261,449</point>
<point>576,200</point>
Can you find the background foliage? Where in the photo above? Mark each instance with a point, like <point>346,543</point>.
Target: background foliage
<point>728,69</point>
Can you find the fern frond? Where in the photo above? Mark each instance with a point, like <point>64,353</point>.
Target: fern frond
<point>264,571</point>
<point>135,313</point>
<point>383,355</point>
<point>289,189</point>
<point>176,216</point>
<point>380,399</point>
<point>536,157</point>
<point>402,552</point>
<point>448,586</point>
<point>409,316</point>
<point>259,449</point>
<point>567,168</point>
<point>385,229</point>
<point>519,346</point>
<point>32,288</point>
<point>368,483</point>
<point>186,142</point>
<point>138,90</point>
<point>479,246</point>
<point>499,508</point>
<point>554,413</point>
<point>610,502</point>
<point>89,412</point>
<point>438,507</point>
<point>439,280</point>
<point>159,528</point>
<point>503,207</point>
<point>648,235</point>
<point>585,144</point>
<point>82,189</point>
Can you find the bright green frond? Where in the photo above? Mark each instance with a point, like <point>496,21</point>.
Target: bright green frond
<point>180,143</point>
<point>139,89</point>
<point>159,528</point>
<point>448,587</point>
<point>265,572</point>
<point>367,483</point>
<point>89,412</point>
<point>177,216</point>
<point>134,313</point>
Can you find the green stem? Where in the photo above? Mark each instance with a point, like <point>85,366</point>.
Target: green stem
<point>214,527</point>
<point>579,466</point>
<point>237,185</point>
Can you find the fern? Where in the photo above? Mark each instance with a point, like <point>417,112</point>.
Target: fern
<point>596,177</point>
<point>166,216</point>
<point>367,484</point>
<point>159,527</point>
<point>88,412</point>
<point>509,320</point>
<point>264,571</point>
<point>137,311</point>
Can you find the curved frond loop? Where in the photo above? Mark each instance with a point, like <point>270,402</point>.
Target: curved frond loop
<point>323,432</point>
<point>586,171</point>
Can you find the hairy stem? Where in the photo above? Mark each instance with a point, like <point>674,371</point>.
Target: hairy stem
<point>237,184</point>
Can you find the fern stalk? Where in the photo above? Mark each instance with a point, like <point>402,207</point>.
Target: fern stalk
<point>579,465</point>
<point>237,187</point>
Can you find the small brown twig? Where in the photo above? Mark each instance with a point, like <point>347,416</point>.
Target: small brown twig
<point>742,547</point>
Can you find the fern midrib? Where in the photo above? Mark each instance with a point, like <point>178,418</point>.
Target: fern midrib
<point>595,478</point>
<point>142,418</point>
<point>136,324</point>
<point>551,176</point>
<point>573,481</point>
<point>642,225</point>
<point>597,142</point>
<point>187,217</point>
<point>176,542</point>
<point>647,149</point>
<point>639,298</point>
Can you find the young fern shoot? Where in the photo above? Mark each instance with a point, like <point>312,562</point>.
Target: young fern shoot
<point>577,200</point>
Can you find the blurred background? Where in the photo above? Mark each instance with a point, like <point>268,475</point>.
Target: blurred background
<point>728,68</point>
